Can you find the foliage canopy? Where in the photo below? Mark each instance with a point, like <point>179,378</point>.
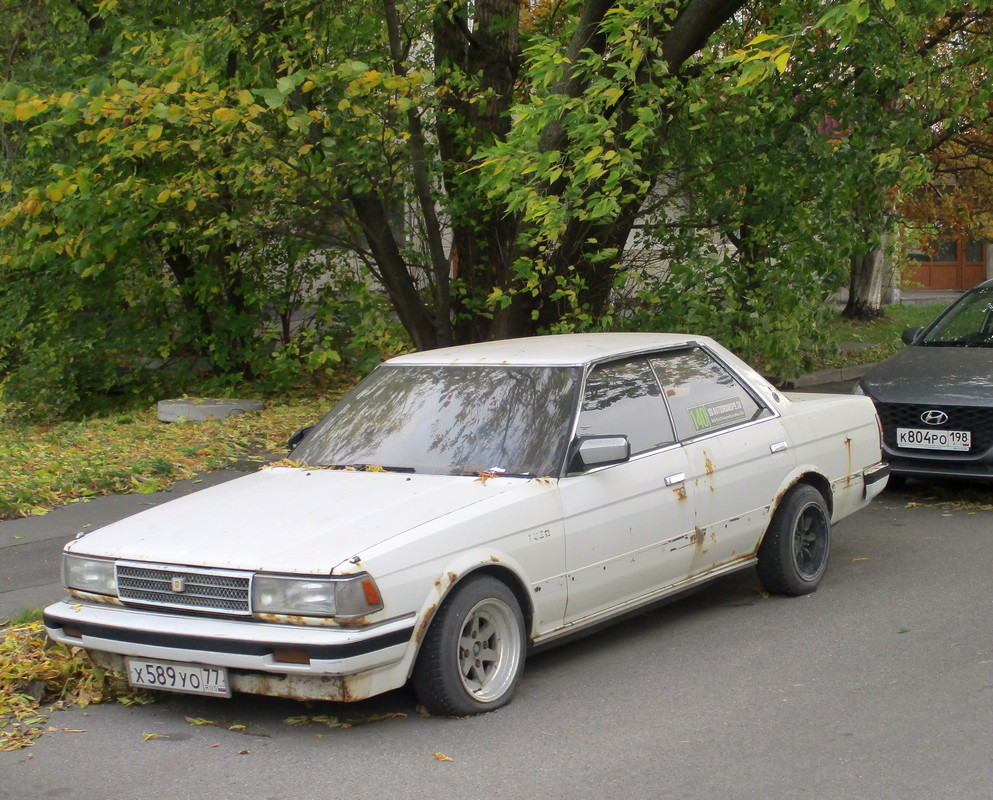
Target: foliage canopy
<point>260,190</point>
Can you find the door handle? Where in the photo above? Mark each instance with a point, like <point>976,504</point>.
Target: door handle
<point>778,447</point>
<point>672,480</point>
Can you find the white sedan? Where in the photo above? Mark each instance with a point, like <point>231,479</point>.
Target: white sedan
<point>462,505</point>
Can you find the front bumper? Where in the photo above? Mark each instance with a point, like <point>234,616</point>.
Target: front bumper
<point>939,466</point>
<point>326,663</point>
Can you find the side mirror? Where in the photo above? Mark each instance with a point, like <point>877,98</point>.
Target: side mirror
<point>298,437</point>
<point>599,451</point>
<point>911,335</point>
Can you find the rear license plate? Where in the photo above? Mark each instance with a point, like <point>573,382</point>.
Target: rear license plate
<point>171,676</point>
<point>924,439</point>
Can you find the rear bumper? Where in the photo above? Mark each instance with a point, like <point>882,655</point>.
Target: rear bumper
<point>327,663</point>
<point>874,479</point>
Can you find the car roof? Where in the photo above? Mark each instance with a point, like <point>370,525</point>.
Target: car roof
<point>571,349</point>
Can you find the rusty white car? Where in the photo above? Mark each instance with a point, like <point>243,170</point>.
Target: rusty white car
<point>461,506</point>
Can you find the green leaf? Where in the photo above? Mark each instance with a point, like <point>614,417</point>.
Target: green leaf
<point>273,98</point>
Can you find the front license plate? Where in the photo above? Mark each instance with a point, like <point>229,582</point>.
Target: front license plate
<point>924,439</point>
<point>171,676</point>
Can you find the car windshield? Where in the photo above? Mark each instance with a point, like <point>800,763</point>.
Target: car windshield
<point>450,420</point>
<point>967,323</point>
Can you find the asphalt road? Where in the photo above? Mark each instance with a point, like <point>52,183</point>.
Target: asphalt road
<point>879,685</point>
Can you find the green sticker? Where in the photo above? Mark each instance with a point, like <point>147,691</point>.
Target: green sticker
<point>717,414</point>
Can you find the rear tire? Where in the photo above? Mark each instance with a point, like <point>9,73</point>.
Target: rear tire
<point>473,654</point>
<point>794,553</point>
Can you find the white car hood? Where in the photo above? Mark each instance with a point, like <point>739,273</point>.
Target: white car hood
<point>287,520</point>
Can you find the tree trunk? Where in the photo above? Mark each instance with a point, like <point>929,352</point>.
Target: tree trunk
<point>865,284</point>
<point>373,216</point>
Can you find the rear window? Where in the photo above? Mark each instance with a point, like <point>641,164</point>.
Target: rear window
<point>702,394</point>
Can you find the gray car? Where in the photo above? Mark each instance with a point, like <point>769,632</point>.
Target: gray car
<point>935,398</point>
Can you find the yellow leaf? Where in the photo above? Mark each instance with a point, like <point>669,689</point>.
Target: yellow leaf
<point>172,87</point>
<point>23,111</point>
<point>105,135</point>
<point>442,757</point>
<point>304,149</point>
<point>191,204</point>
<point>164,195</point>
<point>245,97</point>
<point>154,132</point>
<point>782,60</point>
<point>147,736</point>
<point>307,86</point>
<point>762,37</point>
<point>225,114</point>
<point>343,104</point>
<point>54,193</point>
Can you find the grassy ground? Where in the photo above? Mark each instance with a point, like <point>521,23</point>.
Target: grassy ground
<point>43,466</point>
<point>866,342</point>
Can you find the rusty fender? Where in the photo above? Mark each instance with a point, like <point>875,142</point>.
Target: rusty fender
<point>441,587</point>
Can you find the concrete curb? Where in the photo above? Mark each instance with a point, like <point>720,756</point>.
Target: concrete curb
<point>833,375</point>
<point>198,409</point>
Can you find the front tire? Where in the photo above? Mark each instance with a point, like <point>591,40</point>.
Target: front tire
<point>473,654</point>
<point>794,553</point>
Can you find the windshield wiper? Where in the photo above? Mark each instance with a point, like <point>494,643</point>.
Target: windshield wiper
<point>368,468</point>
<point>494,472</point>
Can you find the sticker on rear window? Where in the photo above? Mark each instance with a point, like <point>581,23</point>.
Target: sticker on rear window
<point>717,414</point>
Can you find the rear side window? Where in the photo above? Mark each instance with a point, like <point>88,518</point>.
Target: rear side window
<point>624,397</point>
<point>702,394</point>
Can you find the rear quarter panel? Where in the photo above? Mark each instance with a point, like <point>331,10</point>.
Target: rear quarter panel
<point>835,436</point>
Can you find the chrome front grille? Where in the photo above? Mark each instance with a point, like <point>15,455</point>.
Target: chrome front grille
<point>184,588</point>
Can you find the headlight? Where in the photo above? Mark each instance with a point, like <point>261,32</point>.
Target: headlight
<point>355,596</point>
<point>95,575</point>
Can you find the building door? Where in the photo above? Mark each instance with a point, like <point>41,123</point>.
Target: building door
<point>955,264</point>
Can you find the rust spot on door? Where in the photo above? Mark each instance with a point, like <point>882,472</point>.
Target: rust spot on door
<point>698,537</point>
<point>708,467</point>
